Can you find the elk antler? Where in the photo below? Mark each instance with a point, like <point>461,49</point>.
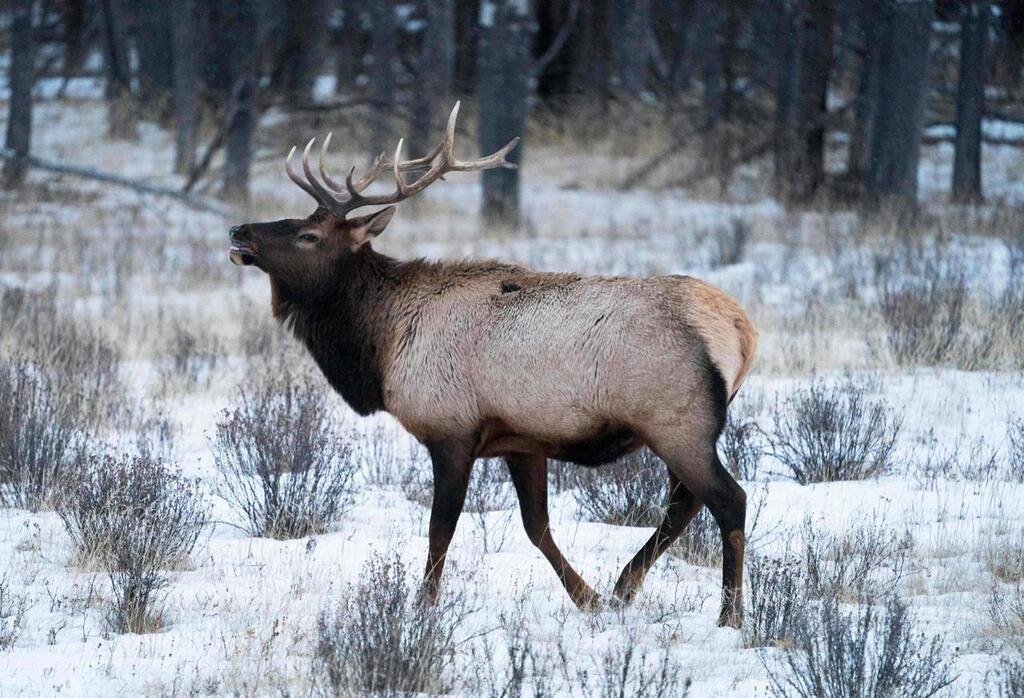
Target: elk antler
<point>440,161</point>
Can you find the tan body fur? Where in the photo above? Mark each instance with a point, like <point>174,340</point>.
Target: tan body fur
<point>545,359</point>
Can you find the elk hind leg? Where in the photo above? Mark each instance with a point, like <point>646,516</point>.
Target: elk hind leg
<point>702,473</point>
<point>682,507</point>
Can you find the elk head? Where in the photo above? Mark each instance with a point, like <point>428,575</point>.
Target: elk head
<point>306,255</point>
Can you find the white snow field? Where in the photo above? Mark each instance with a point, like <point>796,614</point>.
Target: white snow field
<point>240,618</point>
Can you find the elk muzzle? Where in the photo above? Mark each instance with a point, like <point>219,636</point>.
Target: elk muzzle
<point>242,252</point>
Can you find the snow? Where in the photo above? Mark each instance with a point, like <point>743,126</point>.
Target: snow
<point>242,616</point>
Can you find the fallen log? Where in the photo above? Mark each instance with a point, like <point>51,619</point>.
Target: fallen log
<point>190,200</point>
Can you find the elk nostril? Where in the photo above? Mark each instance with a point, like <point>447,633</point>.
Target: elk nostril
<point>233,233</point>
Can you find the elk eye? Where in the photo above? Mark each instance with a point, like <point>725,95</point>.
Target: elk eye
<point>308,237</point>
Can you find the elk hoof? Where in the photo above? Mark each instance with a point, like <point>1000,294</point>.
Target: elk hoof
<point>627,587</point>
<point>730,618</point>
<point>588,601</point>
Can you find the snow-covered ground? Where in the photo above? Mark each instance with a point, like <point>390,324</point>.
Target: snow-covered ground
<point>241,618</point>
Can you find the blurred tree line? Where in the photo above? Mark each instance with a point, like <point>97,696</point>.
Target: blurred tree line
<point>742,79</point>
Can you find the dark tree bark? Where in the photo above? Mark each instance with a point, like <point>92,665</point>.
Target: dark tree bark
<point>467,17</point>
<point>303,31</point>
<point>970,101</point>
<point>241,113</point>
<point>74,20</point>
<point>20,77</point>
<point>1010,50</point>
<point>815,67</point>
<point>787,91</point>
<point>631,46</point>
<point>590,49</point>
<point>680,74</point>
<point>906,27</point>
<point>805,64</point>
<point>187,49</point>
<point>503,90</point>
<point>435,73</point>
<point>868,91</point>
<point>381,70</point>
<point>122,108</point>
<point>156,64</point>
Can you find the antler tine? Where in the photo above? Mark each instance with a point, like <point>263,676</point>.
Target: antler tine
<point>325,197</point>
<point>396,167</point>
<point>496,159</point>
<point>328,180</point>
<point>294,176</point>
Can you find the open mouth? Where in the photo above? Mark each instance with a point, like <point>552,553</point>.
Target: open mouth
<point>241,254</point>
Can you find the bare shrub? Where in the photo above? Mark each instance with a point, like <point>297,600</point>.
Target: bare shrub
<point>871,651</point>
<point>193,357</point>
<point>700,542</point>
<point>385,458</point>
<point>381,639</point>
<point>630,668</point>
<point>776,598</point>
<point>972,461</point>
<point>109,502</point>
<point>864,562</point>
<point>826,433</point>
<point>1007,613</point>
<point>729,244</point>
<point>923,313</point>
<point>1015,448</point>
<point>932,317</point>
<point>1005,559</point>
<point>81,367</point>
<point>13,606</point>
<point>629,492</point>
<point>135,518</point>
<point>740,446</point>
<point>281,465</point>
<point>38,438</point>
<point>524,670</point>
<point>1011,678</point>
<point>490,490</point>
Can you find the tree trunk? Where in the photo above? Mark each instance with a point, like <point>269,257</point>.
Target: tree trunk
<point>631,47</point>
<point>155,54</point>
<point>787,93</point>
<point>906,27</point>
<point>20,78</point>
<point>1010,50</point>
<point>591,49</point>
<point>435,75</point>
<point>467,16</point>
<point>74,19</point>
<point>241,105</point>
<point>503,90</point>
<point>122,116</point>
<point>815,66</point>
<point>187,55</point>
<point>868,91</point>
<point>303,33</point>
<point>383,57</point>
<point>970,101</point>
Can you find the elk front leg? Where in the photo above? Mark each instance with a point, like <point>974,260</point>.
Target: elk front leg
<point>452,463</point>
<point>682,507</point>
<point>530,477</point>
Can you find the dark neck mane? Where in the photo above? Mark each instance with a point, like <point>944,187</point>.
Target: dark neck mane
<point>344,330</point>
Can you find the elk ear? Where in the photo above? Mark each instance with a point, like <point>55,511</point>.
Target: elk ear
<point>365,228</point>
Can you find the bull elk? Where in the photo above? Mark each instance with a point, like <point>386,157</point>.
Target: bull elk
<point>483,359</point>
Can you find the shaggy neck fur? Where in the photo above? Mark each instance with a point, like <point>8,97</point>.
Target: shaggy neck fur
<point>345,329</point>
